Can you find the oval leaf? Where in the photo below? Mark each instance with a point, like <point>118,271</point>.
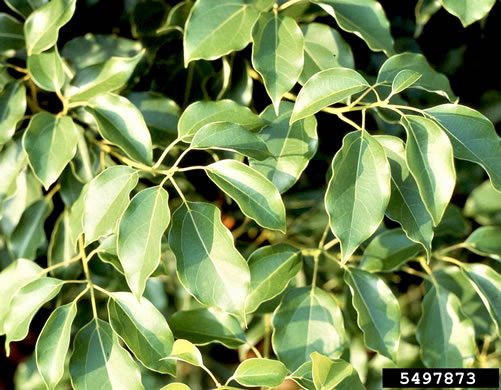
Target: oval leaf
<point>485,241</point>
<point>185,351</point>
<point>12,161</point>
<point>62,248</point>
<point>12,109</point>
<point>260,372</point>
<point>468,11</point>
<point>404,79</point>
<point>11,34</point>
<point>47,70</point>
<point>334,374</point>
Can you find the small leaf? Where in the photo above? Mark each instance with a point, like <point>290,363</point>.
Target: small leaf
<point>12,161</point>
<point>106,200</point>
<point>99,362</point>
<point>185,351</point>
<point>257,197</point>
<point>175,386</point>
<point>53,343</point>
<point>50,142</point>
<point>404,79</point>
<point>303,376</point>
<point>334,374</point>
<point>484,205</point>
<point>485,241</point>
<point>47,70</point>
<point>325,88</point>
<point>468,11</point>
<point>107,252</point>
<point>11,34</point>
<point>358,191</point>
<point>12,109</point>
<point>260,372</point>
<point>62,248</point>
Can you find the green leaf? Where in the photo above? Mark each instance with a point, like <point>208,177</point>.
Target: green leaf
<point>106,200</point>
<point>107,252</point>
<point>12,109</point>
<point>257,197</point>
<point>216,28</point>
<point>325,88</point>
<point>175,386</point>
<point>140,232</point>
<point>101,78</point>
<point>98,361</point>
<point>21,7</point>
<point>446,335</point>
<point>53,343</point>
<point>185,351</point>
<point>47,70</point>
<point>201,113</point>
<point>11,34</point>
<point>18,274</point>
<point>25,304</point>
<point>473,138</point>
<point>12,161</point>
<point>378,311</point>
<point>271,268</point>
<point>303,376</point>
<point>468,11</point>
<point>176,19</point>
<point>121,123</point>
<point>431,162</point>
<point>364,18</point>
<point>230,136</point>
<point>143,329</point>
<point>431,81</point>
<point>484,205</point>
<point>333,374</point>
<point>50,142</point>
<point>324,48</point>
<point>358,191</point>
<point>485,241</point>
<point>41,29</point>
<point>217,327</point>
<point>62,248</point>
<point>204,246</point>
<point>277,53</point>
<point>388,251</point>
<point>291,146</point>
<point>86,163</point>
<point>406,206</point>
<point>260,372</point>
<point>404,79</point>
<point>75,223</point>
<point>307,321</point>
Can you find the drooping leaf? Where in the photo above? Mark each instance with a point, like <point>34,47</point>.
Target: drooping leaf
<point>106,200</point>
<point>257,197</point>
<point>292,146</point>
<point>430,160</point>
<point>11,33</point>
<point>325,88</point>
<point>204,246</point>
<point>185,351</point>
<point>12,161</point>
<point>277,53</point>
<point>53,343</point>
<point>12,109</point>
<point>98,361</point>
<point>358,191</point>
<point>216,28</point>
<point>143,329</point>
<point>404,79</point>
<point>485,241</point>
<point>46,70</point>
<point>468,11</point>
<point>334,374</point>
<point>260,372</point>
<point>484,204</point>
<point>307,321</point>
<point>41,29</point>
<point>62,248</point>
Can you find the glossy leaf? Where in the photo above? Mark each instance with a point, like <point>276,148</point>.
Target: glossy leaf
<point>47,70</point>
<point>303,376</point>
<point>325,88</point>
<point>307,321</point>
<point>143,329</point>
<point>53,343</point>
<point>430,160</point>
<point>12,161</point>
<point>11,33</point>
<point>204,246</point>
<point>260,372</point>
<point>291,146</point>
<point>358,191</point>
<point>50,142</point>
<point>334,374</point>
<point>404,79</point>
<point>21,7</point>
<point>62,248</point>
<point>484,205</point>
<point>175,386</point>
<point>41,29</point>
<point>140,232</point>
<point>468,11</point>
<point>12,109</point>
<point>485,241</point>
<point>185,351</point>
<point>106,200</point>
<point>98,361</point>
<point>277,53</point>
<point>216,28</point>
<point>107,252</point>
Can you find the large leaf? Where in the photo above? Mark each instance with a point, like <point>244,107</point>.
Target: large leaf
<point>257,197</point>
<point>99,362</point>
<point>143,329</point>
<point>121,123</point>
<point>473,138</point>
<point>358,191</point>
<point>201,113</point>
<point>216,28</point>
<point>53,343</point>
<point>204,246</point>
<point>378,311</point>
<point>334,374</point>
<point>307,321</point>
<point>325,88</point>
<point>47,70</point>
<point>217,327</point>
<point>364,18</point>
<point>431,162</point>
<point>12,161</point>
<point>50,142</point>
<point>406,206</point>
<point>291,146</point>
<point>468,11</point>
<point>260,372</point>
<point>12,109</point>
<point>106,200</point>
<point>140,232</point>
<point>446,335</point>
<point>11,33</point>
<point>271,268</point>
<point>41,29</point>
<point>277,53</point>
<point>485,241</point>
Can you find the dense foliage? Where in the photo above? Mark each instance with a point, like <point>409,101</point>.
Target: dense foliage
<point>210,194</point>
